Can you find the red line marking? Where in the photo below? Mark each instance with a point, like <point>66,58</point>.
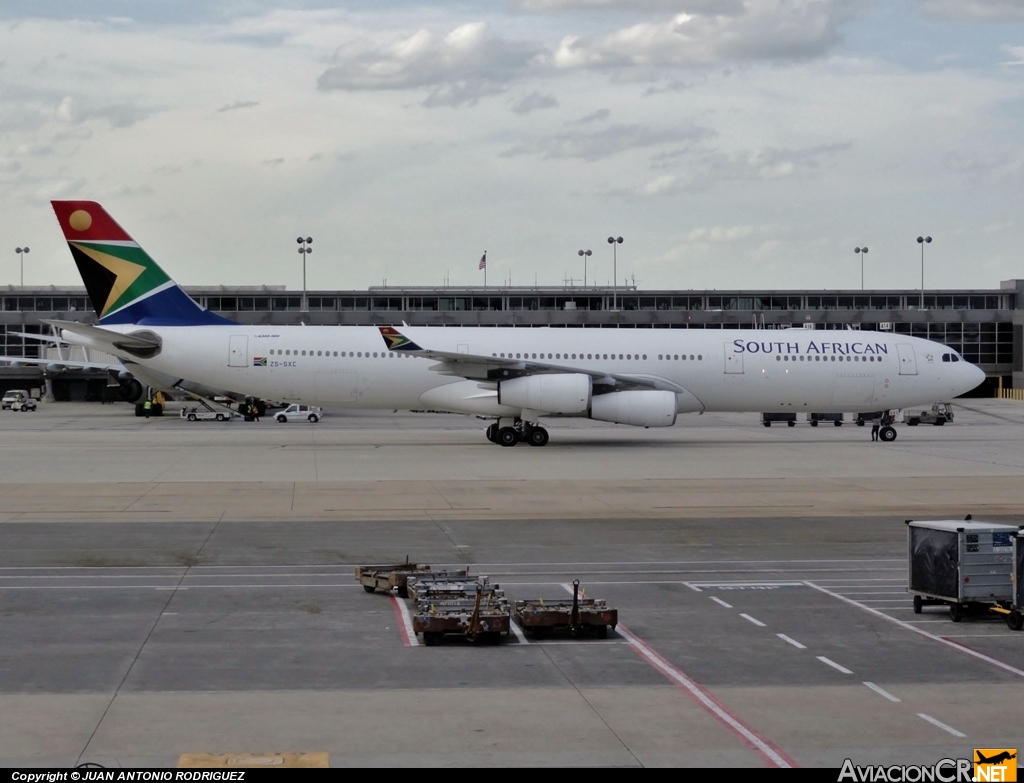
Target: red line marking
<point>401,622</point>
<point>771,753</point>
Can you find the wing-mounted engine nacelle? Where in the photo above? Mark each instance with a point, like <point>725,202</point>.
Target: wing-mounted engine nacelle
<point>131,390</point>
<point>557,393</point>
<point>636,408</point>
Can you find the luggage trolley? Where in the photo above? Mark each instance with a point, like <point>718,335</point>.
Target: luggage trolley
<point>966,565</point>
<point>1015,619</point>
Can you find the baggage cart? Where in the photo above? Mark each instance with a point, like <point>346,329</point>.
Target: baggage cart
<point>835,418</point>
<point>788,418</point>
<point>389,577</point>
<point>481,618</point>
<point>1015,617</point>
<point>966,565</point>
<point>540,616</point>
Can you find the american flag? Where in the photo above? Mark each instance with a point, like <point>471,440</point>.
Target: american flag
<point>483,261</point>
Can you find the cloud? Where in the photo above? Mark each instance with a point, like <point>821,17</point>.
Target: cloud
<point>689,6</point>
<point>239,105</point>
<point>975,10</point>
<point>782,30</point>
<point>462,66</point>
<point>607,142</point>
<point>1000,166</point>
<point>120,115</point>
<point>534,102</point>
<point>467,63</point>
<point>1017,53</point>
<point>598,116</point>
<point>695,169</point>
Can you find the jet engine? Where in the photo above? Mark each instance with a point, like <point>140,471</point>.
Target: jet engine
<point>636,408</point>
<point>561,393</point>
<point>131,390</point>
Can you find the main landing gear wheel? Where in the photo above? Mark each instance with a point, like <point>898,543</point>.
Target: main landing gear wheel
<point>1015,620</point>
<point>507,436</point>
<point>492,433</point>
<point>887,433</point>
<point>538,436</point>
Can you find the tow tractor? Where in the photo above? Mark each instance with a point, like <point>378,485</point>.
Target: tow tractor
<point>938,414</point>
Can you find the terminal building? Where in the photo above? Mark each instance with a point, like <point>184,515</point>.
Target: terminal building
<point>986,326</point>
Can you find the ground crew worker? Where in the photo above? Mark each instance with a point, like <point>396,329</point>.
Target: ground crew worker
<point>147,406</point>
<point>876,424</point>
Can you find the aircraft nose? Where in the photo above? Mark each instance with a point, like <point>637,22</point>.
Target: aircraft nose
<point>975,377</point>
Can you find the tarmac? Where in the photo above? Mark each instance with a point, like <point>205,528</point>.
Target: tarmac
<point>173,588</point>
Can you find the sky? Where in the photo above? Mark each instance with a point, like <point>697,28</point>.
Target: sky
<point>747,144</point>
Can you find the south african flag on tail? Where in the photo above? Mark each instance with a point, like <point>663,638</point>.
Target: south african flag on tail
<point>125,285</point>
<point>396,341</point>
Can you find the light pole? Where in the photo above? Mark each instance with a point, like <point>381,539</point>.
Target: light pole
<point>862,251</point>
<point>305,249</point>
<point>21,251</point>
<point>922,241</point>
<point>613,241</point>
<point>585,254</point>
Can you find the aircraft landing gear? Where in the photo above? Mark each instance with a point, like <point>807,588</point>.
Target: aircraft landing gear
<point>519,430</point>
<point>537,436</point>
<point>887,433</point>
<point>508,436</point>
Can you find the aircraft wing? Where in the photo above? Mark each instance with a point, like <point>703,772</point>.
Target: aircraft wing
<point>141,343</point>
<point>61,364</point>
<point>477,367</point>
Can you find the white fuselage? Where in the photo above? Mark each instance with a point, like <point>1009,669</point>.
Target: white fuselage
<point>709,369</point>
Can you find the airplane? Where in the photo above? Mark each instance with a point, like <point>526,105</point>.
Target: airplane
<point>515,376</point>
<point>996,759</point>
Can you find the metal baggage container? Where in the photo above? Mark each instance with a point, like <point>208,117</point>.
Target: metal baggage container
<point>964,564</point>
<point>1015,619</point>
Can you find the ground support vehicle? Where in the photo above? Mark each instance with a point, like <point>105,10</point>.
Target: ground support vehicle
<point>789,418</point>
<point>310,413</point>
<point>540,616</point>
<point>389,577</point>
<point>15,396</point>
<point>451,585</point>
<point>23,404</point>
<point>206,412</point>
<point>835,418</point>
<point>869,416</point>
<point>1015,615</point>
<point>479,617</point>
<point>938,414</point>
<point>967,566</point>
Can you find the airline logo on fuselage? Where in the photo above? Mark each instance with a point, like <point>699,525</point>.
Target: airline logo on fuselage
<point>813,348</point>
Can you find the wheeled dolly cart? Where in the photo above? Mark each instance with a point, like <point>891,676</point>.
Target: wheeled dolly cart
<point>540,616</point>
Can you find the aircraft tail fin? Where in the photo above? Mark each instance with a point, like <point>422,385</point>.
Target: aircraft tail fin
<point>125,285</point>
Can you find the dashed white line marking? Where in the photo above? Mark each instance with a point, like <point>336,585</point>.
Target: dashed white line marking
<point>834,665</point>
<point>956,645</point>
<point>720,602</point>
<point>940,724</point>
<point>882,692</point>
<point>753,620</point>
<point>793,642</point>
